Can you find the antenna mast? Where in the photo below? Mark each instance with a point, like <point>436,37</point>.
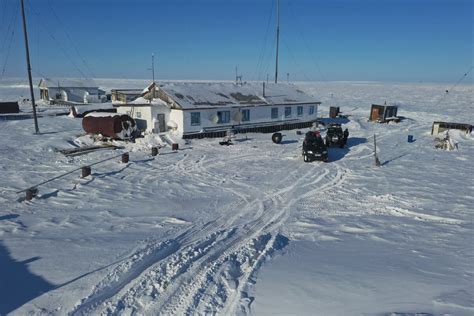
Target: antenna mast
<point>153,66</point>
<point>277,40</point>
<point>29,68</point>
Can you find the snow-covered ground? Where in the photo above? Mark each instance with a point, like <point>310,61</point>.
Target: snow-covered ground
<point>249,228</point>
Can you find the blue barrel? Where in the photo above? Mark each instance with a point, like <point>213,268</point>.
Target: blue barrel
<point>410,138</point>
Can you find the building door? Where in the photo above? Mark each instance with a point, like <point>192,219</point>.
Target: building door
<point>161,123</point>
<point>375,114</point>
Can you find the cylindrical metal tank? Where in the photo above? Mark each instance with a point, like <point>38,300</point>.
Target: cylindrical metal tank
<point>109,125</point>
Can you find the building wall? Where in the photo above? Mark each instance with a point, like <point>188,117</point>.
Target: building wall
<point>259,115</point>
<point>146,116</point>
<point>177,116</point>
<point>78,95</point>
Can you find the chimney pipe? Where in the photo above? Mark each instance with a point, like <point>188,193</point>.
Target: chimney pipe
<point>264,89</point>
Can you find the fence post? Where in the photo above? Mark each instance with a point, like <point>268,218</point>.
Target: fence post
<point>125,157</point>
<point>86,171</point>
<point>377,161</point>
<point>31,193</point>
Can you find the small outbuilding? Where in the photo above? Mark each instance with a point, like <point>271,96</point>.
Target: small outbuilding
<point>334,111</point>
<point>70,91</point>
<point>9,107</point>
<point>439,127</point>
<point>383,113</point>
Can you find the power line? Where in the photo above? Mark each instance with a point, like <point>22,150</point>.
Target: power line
<point>305,42</point>
<point>63,27</point>
<point>7,54</point>
<point>44,25</point>
<point>454,86</point>
<point>263,49</point>
<point>295,62</point>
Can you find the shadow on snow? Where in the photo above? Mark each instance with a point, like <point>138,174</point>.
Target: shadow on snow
<point>17,284</point>
<point>336,153</point>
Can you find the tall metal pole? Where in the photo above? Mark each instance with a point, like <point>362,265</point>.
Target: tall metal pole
<point>29,68</point>
<point>277,40</point>
<point>152,66</point>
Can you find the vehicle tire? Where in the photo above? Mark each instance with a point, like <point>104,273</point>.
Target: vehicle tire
<point>277,137</point>
<point>305,158</point>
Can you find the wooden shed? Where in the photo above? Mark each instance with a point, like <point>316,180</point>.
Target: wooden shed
<point>439,127</point>
<point>334,111</point>
<point>383,113</point>
<point>9,107</point>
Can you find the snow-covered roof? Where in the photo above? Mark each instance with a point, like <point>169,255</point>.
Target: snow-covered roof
<point>204,95</point>
<point>67,83</point>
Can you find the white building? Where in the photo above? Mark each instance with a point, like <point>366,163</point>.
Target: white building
<point>70,91</point>
<point>209,109</point>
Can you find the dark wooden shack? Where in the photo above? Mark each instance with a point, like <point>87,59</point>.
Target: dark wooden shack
<point>383,113</point>
<point>333,111</point>
<point>9,107</point>
<point>439,127</point>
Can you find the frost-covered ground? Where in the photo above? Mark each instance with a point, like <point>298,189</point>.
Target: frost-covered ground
<point>248,228</point>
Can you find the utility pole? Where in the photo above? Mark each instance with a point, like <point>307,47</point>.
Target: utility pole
<point>28,64</point>
<point>287,77</point>
<point>277,40</point>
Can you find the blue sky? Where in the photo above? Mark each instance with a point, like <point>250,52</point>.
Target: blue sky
<point>384,40</point>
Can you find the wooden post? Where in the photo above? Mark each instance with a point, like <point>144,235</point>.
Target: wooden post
<point>174,146</point>
<point>31,193</point>
<point>86,171</point>
<point>154,151</point>
<point>377,161</point>
<point>125,158</point>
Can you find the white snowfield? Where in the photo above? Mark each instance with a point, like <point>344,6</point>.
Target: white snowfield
<point>249,228</point>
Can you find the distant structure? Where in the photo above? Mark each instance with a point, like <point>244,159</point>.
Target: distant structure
<point>440,127</point>
<point>334,111</point>
<point>194,110</point>
<point>383,113</point>
<point>70,91</point>
<point>124,96</point>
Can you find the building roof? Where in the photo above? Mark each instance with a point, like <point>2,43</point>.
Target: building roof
<point>128,91</point>
<point>67,83</point>
<point>207,95</point>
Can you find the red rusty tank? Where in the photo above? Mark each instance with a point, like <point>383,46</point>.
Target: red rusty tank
<point>110,125</point>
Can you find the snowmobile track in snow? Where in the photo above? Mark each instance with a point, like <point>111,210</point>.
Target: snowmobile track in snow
<point>209,268</point>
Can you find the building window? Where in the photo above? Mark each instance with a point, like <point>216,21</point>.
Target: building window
<point>245,115</point>
<point>311,110</point>
<point>288,111</point>
<point>274,113</point>
<point>139,114</point>
<point>223,117</point>
<point>299,111</point>
<point>195,118</point>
